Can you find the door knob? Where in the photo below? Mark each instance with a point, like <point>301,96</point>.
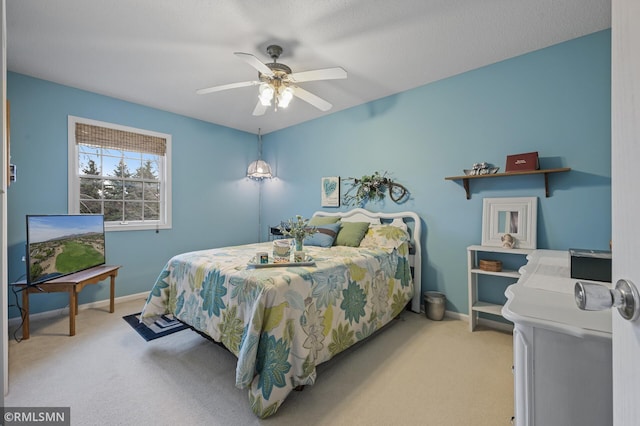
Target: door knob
<point>597,297</point>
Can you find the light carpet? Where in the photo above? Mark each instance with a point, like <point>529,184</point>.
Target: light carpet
<point>415,371</point>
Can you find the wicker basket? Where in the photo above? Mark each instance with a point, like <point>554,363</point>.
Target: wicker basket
<point>490,265</point>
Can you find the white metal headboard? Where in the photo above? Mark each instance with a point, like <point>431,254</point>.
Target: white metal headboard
<point>415,231</point>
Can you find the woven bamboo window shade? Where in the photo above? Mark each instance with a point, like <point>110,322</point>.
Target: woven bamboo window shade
<point>87,134</point>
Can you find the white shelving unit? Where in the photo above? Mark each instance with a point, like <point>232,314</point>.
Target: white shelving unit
<point>476,306</point>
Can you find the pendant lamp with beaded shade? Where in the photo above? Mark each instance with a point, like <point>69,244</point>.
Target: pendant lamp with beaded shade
<point>259,169</point>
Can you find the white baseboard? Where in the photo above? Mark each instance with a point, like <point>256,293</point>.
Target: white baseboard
<point>496,324</point>
<point>448,314</point>
<point>455,315</point>
<point>16,321</point>
<point>482,321</point>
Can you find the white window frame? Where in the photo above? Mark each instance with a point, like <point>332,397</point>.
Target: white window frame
<point>74,179</point>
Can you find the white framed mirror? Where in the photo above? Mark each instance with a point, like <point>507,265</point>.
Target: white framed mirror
<point>515,216</point>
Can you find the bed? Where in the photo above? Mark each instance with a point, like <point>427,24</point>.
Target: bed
<point>281,322</point>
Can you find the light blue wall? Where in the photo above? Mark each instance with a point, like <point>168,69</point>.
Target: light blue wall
<point>214,204</point>
<point>555,101</point>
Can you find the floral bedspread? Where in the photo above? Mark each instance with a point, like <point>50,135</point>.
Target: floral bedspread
<point>282,322</point>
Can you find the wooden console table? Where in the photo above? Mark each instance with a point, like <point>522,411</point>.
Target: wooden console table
<point>73,284</point>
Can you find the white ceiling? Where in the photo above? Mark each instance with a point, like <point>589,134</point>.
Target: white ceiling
<point>159,52</point>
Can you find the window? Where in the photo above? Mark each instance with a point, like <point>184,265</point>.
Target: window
<point>120,172</point>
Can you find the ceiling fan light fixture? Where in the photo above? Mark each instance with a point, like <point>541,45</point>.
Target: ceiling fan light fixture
<point>284,97</point>
<point>265,94</point>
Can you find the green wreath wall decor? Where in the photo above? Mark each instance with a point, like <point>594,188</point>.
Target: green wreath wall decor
<point>373,188</point>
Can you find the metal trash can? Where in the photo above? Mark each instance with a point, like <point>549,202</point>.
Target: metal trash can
<point>434,305</point>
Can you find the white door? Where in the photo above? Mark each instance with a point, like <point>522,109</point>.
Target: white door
<point>4,365</point>
<point>625,127</point>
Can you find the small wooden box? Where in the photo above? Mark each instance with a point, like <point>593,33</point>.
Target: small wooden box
<point>490,265</point>
<point>525,162</point>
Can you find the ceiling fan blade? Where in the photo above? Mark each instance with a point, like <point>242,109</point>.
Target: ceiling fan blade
<point>226,87</point>
<point>323,74</point>
<point>255,62</point>
<point>259,109</point>
<point>309,97</point>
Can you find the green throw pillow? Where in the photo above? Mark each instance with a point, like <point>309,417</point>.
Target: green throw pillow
<point>323,220</point>
<point>351,233</point>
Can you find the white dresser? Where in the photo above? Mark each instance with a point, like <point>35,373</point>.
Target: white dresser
<point>562,355</point>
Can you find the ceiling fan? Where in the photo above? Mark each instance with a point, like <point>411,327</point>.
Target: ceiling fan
<point>276,83</point>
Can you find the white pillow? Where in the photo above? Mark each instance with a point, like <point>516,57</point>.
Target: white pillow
<point>398,222</point>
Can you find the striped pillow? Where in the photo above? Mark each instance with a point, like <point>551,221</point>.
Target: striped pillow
<point>324,237</point>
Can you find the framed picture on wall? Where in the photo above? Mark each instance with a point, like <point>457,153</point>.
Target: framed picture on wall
<point>514,216</point>
<point>330,191</point>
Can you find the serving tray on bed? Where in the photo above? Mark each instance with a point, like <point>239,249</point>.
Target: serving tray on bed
<point>257,265</point>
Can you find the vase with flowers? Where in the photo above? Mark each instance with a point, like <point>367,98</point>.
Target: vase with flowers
<point>298,228</point>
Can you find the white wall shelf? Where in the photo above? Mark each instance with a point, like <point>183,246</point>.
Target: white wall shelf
<point>473,255</point>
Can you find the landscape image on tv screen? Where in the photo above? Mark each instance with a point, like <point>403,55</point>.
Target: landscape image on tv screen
<point>59,245</point>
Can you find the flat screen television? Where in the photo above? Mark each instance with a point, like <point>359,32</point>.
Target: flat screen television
<point>59,245</point>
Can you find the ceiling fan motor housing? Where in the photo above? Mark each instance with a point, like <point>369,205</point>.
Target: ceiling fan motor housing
<point>275,67</point>
<point>280,70</point>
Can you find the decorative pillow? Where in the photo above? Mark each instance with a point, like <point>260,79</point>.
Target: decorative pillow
<point>325,236</point>
<point>351,233</point>
<point>399,223</point>
<point>387,237</point>
<point>323,220</point>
